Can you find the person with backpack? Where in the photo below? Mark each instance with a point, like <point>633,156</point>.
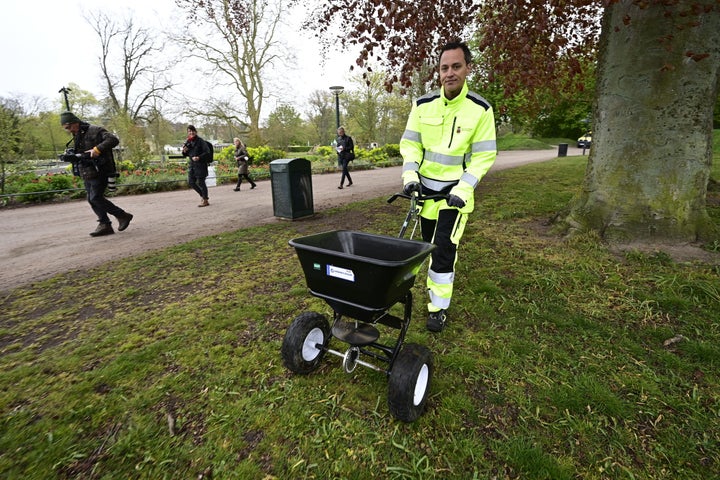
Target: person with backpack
<point>92,158</point>
<point>243,159</point>
<point>199,156</point>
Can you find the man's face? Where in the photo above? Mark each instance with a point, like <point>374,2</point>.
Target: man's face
<point>453,71</point>
<point>340,132</point>
<point>72,127</point>
<point>191,133</point>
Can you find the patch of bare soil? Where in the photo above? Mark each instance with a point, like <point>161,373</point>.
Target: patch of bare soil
<point>681,253</point>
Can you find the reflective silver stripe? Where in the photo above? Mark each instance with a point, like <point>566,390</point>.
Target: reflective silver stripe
<point>410,167</point>
<point>441,278</point>
<point>450,160</point>
<point>437,185</point>
<point>470,179</point>
<point>440,302</point>
<point>484,146</point>
<point>412,136</point>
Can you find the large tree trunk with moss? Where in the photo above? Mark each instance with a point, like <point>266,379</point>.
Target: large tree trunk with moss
<point>650,161</point>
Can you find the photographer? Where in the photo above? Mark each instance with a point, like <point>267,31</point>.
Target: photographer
<point>93,161</point>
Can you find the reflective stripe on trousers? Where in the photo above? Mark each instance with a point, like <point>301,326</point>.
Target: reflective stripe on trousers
<point>444,227</point>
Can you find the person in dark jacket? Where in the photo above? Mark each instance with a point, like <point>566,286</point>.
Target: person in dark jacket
<point>242,158</point>
<point>346,154</point>
<point>94,164</point>
<point>198,155</point>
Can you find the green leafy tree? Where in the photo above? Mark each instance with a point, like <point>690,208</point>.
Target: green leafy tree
<point>10,140</point>
<point>81,102</point>
<point>285,127</point>
<point>133,145</point>
<point>321,117</point>
<point>374,114</point>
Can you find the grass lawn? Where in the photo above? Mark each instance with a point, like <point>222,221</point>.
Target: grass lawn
<point>562,360</point>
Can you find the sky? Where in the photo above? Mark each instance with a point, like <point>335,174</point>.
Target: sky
<point>49,44</point>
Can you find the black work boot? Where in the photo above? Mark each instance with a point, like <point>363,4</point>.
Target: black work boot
<point>436,321</point>
<point>124,221</point>
<point>102,229</point>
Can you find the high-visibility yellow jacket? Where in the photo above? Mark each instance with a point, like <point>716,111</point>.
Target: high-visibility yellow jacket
<point>449,145</point>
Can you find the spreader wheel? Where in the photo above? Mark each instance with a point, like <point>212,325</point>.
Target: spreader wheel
<point>409,382</point>
<point>305,341</point>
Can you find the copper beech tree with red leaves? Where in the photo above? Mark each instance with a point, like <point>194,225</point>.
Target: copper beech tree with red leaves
<point>657,67</point>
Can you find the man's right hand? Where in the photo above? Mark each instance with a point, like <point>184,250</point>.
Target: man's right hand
<point>411,187</point>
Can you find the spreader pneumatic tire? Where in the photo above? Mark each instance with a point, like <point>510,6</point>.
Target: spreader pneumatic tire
<point>299,349</point>
<point>409,383</point>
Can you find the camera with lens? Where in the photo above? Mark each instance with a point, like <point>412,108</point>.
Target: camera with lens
<point>71,156</point>
<point>74,158</point>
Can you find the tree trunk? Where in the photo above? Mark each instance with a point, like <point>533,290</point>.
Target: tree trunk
<point>650,162</point>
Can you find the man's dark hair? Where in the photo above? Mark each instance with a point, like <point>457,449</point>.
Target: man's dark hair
<point>192,128</point>
<point>455,45</point>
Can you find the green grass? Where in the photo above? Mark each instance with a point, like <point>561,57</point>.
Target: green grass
<point>556,363</point>
<point>512,141</point>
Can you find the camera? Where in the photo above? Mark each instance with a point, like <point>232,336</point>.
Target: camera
<point>74,159</point>
<point>71,157</point>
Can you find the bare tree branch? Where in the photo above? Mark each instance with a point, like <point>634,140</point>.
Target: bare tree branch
<point>240,48</point>
<point>140,82</point>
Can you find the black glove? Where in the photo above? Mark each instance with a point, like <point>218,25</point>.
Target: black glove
<point>411,187</point>
<point>455,201</point>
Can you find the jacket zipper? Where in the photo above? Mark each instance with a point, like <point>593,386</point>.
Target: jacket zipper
<point>452,132</point>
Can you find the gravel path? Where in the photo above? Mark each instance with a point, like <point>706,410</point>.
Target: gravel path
<point>38,242</point>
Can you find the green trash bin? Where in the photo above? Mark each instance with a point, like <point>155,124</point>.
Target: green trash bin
<point>291,181</point>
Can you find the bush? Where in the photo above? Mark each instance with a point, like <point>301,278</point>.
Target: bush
<point>39,187</point>
<point>226,154</point>
<point>61,181</point>
<point>325,151</point>
<point>264,155</point>
<point>379,155</point>
<point>392,150</point>
<point>125,166</point>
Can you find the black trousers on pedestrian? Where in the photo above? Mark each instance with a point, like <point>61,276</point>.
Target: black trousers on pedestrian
<point>198,184</point>
<point>95,189</point>
<point>345,172</point>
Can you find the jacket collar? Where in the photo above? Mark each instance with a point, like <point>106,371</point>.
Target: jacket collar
<point>457,99</point>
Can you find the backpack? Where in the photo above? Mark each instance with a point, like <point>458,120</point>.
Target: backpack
<point>210,157</point>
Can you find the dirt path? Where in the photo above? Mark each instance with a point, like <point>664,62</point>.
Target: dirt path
<point>41,241</point>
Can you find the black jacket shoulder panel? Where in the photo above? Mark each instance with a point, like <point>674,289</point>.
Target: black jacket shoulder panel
<point>428,97</point>
<point>475,98</point>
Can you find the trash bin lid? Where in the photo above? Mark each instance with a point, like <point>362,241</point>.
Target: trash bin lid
<point>290,164</point>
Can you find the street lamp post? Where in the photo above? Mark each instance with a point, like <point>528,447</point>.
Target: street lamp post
<point>337,90</point>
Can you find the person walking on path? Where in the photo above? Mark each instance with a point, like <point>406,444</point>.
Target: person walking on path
<point>198,155</point>
<point>242,158</point>
<point>346,154</point>
<point>447,147</point>
<point>93,161</point>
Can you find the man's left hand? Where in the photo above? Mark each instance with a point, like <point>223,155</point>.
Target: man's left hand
<point>455,201</point>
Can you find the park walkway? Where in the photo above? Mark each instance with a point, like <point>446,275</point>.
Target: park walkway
<point>40,241</point>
